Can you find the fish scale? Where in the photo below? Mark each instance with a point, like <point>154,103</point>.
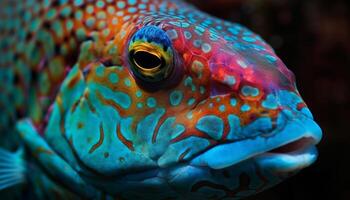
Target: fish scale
<point>96,119</point>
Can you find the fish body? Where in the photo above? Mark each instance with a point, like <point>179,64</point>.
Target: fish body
<point>149,99</point>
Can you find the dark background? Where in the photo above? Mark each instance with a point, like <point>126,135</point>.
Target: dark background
<point>312,37</point>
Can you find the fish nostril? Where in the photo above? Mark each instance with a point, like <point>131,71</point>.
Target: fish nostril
<point>219,88</point>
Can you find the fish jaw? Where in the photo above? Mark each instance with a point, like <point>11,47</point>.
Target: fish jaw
<point>259,164</point>
<point>303,131</point>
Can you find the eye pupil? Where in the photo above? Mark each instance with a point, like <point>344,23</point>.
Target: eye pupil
<point>146,60</point>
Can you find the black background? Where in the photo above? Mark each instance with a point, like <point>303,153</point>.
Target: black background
<point>312,37</point>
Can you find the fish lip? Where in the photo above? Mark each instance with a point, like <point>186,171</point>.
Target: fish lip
<point>286,162</point>
<point>260,148</point>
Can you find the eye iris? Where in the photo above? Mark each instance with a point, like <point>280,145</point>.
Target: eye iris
<point>146,60</point>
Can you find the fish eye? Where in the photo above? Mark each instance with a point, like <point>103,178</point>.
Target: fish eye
<point>146,60</point>
<point>150,54</point>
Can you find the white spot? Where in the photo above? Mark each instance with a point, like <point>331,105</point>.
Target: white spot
<point>206,48</point>
<point>242,63</point>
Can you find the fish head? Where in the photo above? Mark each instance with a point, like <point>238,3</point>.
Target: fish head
<point>192,107</point>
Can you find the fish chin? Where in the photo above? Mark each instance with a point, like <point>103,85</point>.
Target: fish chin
<point>291,149</point>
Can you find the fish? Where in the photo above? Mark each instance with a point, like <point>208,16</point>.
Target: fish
<point>144,99</point>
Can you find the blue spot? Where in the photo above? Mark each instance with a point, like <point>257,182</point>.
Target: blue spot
<point>127,82</point>
<point>131,2</point>
<point>198,31</point>
<point>123,99</point>
<point>206,48</point>
<point>126,18</point>
<point>139,105</point>
<point>100,71</point>
<point>258,47</point>
<point>113,78</point>
<point>233,102</point>
<point>230,80</point>
<point>271,59</point>
<point>100,4</point>
<point>138,93</point>
<point>211,125</point>
<point>235,127</point>
<point>239,46</point>
<point>176,97</point>
<point>120,13</point>
<point>270,102</point>
<point>90,22</point>
<point>229,38</point>
<point>185,25</point>
<point>214,37</point>
<point>188,35</point>
<point>189,115</point>
<point>245,108</point>
<point>211,105</point>
<point>250,91</point>
<point>121,4</point>
<point>151,102</point>
<point>188,81</point>
<point>172,34</point>
<point>142,6</point>
<point>249,39</point>
<point>78,2</point>
<point>191,101</point>
<point>234,30</point>
<point>197,43</point>
<point>178,24</point>
<point>222,108</point>
<point>201,89</point>
<point>132,10</point>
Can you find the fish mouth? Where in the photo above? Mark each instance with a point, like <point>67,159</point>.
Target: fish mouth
<point>291,157</point>
<point>289,150</point>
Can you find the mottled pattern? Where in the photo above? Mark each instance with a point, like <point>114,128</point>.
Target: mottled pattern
<point>103,127</point>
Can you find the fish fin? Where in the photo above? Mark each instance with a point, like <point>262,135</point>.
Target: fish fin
<point>12,168</point>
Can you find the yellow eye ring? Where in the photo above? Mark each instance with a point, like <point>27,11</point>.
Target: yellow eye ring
<point>149,61</point>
